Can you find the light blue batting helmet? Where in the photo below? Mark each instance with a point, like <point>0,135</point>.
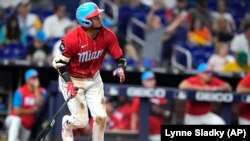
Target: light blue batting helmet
<point>86,11</point>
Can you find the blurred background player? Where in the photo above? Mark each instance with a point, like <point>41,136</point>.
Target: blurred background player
<point>158,109</point>
<point>82,52</point>
<point>27,100</point>
<point>39,51</point>
<point>201,112</point>
<point>112,123</point>
<point>243,109</point>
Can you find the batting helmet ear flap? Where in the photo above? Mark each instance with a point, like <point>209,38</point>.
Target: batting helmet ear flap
<point>85,23</point>
<point>88,23</point>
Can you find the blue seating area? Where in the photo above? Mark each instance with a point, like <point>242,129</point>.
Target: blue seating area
<point>13,51</point>
<point>42,13</point>
<point>200,54</point>
<point>238,8</point>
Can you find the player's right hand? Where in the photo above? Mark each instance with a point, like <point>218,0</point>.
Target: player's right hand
<point>71,89</point>
<point>120,73</point>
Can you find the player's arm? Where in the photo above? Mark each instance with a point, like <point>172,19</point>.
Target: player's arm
<point>116,52</point>
<point>22,111</point>
<point>60,64</point>
<point>244,85</point>
<point>121,62</point>
<point>225,87</point>
<point>242,89</point>
<point>17,105</point>
<point>221,85</point>
<point>185,85</point>
<point>121,66</point>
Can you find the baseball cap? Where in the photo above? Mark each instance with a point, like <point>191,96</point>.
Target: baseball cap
<point>203,68</point>
<point>31,73</point>
<point>147,75</point>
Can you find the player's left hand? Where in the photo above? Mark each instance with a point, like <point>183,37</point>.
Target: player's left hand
<point>120,73</point>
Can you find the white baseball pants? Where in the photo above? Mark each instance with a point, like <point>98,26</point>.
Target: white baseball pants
<point>243,121</point>
<point>208,119</point>
<point>90,95</point>
<point>16,132</point>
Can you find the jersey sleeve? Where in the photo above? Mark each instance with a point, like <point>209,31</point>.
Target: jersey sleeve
<point>68,46</point>
<point>245,81</point>
<point>17,100</point>
<point>114,47</point>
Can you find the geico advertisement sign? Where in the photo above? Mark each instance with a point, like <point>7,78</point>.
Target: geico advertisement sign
<point>143,92</point>
<point>214,96</point>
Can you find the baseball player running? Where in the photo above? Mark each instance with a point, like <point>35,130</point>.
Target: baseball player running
<point>82,53</point>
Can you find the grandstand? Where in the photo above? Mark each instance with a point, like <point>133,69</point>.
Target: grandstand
<point>190,34</point>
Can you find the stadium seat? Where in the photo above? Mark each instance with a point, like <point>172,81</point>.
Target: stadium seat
<point>200,54</point>
<point>125,13</point>
<point>42,14</point>
<point>14,51</point>
<point>50,42</point>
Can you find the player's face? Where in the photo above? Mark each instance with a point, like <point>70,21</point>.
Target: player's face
<point>97,21</point>
<point>206,76</point>
<point>23,9</point>
<point>32,81</point>
<point>61,12</point>
<point>150,83</point>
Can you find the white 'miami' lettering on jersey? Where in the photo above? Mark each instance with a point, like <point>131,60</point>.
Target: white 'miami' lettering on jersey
<point>89,55</point>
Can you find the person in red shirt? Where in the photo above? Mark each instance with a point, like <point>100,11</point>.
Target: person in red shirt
<point>243,110</point>
<point>113,123</point>
<point>201,112</point>
<point>158,109</point>
<point>158,116</point>
<point>27,100</point>
<point>81,55</point>
<point>123,113</point>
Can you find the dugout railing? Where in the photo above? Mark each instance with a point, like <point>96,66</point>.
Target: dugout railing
<point>226,98</point>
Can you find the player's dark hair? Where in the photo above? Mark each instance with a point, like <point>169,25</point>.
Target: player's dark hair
<point>246,26</point>
<point>57,6</point>
<point>202,3</point>
<point>224,1</point>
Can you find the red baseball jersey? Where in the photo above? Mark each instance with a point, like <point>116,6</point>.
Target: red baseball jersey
<point>155,123</point>
<point>87,54</point>
<point>112,122</point>
<point>244,109</point>
<point>196,107</point>
<point>24,98</point>
<point>123,114</point>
